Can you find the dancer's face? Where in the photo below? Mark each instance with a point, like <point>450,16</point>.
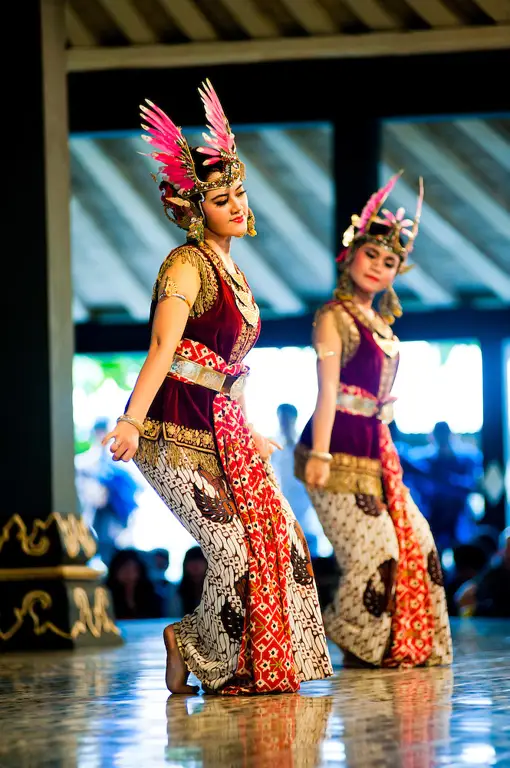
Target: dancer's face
<point>226,209</point>
<point>373,268</point>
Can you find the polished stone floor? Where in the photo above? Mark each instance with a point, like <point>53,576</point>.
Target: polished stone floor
<point>111,708</point>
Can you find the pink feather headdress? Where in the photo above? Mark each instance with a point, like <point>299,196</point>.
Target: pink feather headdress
<point>397,225</point>
<point>177,167</point>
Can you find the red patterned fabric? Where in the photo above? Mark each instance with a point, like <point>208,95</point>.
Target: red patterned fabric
<point>201,354</point>
<point>266,663</point>
<point>412,629</point>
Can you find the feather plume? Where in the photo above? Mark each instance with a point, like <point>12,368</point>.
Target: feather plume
<point>174,154</point>
<point>220,138</point>
<point>375,203</point>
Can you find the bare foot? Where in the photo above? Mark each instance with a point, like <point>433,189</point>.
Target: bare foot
<point>176,672</point>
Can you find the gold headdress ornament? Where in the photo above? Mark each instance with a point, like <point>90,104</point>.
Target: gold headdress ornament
<point>397,226</point>
<point>398,237</point>
<point>182,189</point>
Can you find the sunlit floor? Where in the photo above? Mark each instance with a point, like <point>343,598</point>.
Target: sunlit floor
<point>111,708</point>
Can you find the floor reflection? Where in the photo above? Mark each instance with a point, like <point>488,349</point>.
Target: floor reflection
<point>264,731</point>
<point>111,708</point>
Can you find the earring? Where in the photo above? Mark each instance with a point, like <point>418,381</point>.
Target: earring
<point>390,306</point>
<point>251,231</point>
<point>196,230</point>
<point>344,290</point>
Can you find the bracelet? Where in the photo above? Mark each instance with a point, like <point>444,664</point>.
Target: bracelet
<point>134,422</point>
<point>321,455</point>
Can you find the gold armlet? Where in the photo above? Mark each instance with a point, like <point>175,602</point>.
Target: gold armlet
<point>323,354</point>
<point>170,291</point>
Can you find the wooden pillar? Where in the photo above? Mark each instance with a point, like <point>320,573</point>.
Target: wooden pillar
<point>49,598</point>
<point>495,430</point>
<point>357,144</point>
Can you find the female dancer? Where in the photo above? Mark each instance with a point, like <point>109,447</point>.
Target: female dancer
<point>390,608</point>
<point>258,627</point>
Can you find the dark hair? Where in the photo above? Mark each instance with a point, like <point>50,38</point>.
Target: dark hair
<point>147,603</point>
<point>122,557</point>
<point>192,554</point>
<point>288,410</point>
<point>204,171</point>
<point>189,590</point>
<point>375,230</point>
<point>441,429</point>
<point>470,556</point>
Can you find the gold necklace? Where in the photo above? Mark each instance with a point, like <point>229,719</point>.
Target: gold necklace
<point>381,331</point>
<point>242,294</point>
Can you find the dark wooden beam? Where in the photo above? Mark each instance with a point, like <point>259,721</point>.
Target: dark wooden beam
<point>296,91</point>
<point>444,325</point>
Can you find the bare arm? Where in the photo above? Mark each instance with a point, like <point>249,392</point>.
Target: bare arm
<point>328,345</point>
<point>169,322</point>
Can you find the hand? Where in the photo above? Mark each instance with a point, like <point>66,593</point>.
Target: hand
<point>465,596</point>
<point>264,445</point>
<point>317,473</point>
<point>125,441</point>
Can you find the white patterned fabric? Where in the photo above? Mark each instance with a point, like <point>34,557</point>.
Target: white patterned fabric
<point>209,638</point>
<point>362,534</point>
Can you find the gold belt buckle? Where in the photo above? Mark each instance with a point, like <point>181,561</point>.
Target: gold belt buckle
<point>237,388</point>
<point>198,374</point>
<point>357,404</point>
<point>210,378</point>
<point>185,368</point>
<point>386,414</point>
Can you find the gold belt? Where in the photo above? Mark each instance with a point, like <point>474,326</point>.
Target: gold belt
<point>364,406</point>
<point>233,386</point>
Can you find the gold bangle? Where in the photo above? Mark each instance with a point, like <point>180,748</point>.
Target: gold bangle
<point>321,455</point>
<point>134,422</point>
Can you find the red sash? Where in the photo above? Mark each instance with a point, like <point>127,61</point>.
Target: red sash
<point>412,627</point>
<point>266,662</point>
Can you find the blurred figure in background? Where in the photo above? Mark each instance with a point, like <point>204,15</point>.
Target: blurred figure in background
<point>194,568</point>
<point>453,475</point>
<point>327,575</point>
<point>469,561</point>
<point>292,488</point>
<point>159,562</point>
<point>488,594</point>
<point>134,596</point>
<point>106,490</point>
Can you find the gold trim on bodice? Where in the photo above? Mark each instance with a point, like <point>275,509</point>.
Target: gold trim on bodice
<point>348,474</point>
<point>246,304</point>
<point>381,331</point>
<point>239,286</point>
<point>208,291</point>
<point>181,446</point>
<point>347,330</point>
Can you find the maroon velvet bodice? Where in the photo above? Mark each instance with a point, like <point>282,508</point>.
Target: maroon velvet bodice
<point>224,330</point>
<point>370,369</point>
